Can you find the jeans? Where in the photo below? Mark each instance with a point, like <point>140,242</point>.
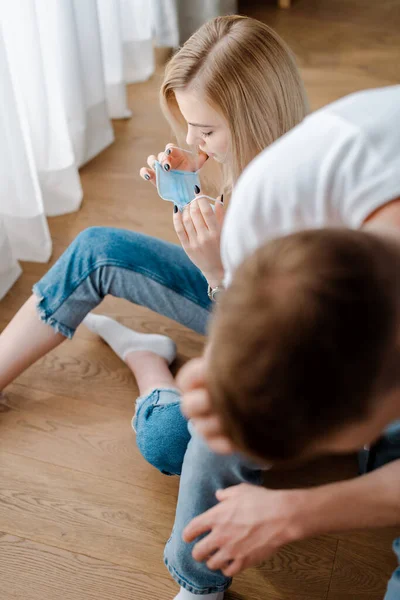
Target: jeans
<point>160,276</point>
<point>168,443</point>
<point>125,264</point>
<point>393,589</point>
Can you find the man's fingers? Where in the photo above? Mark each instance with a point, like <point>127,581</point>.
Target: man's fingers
<point>219,560</point>
<point>208,426</point>
<point>196,404</point>
<point>221,445</point>
<point>234,567</point>
<point>192,375</point>
<point>229,492</point>
<point>198,526</point>
<point>206,548</point>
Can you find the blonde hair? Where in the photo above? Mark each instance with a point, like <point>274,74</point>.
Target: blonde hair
<point>248,74</point>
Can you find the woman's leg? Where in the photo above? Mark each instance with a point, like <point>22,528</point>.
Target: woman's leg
<point>162,433</point>
<point>103,261</point>
<point>24,341</point>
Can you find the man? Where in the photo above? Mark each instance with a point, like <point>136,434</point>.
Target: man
<point>340,167</point>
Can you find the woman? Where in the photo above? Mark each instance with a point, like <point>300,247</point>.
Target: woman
<point>233,89</point>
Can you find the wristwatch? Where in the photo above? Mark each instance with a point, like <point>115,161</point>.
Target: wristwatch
<point>214,292</point>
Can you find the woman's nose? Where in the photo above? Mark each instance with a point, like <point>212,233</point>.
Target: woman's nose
<point>192,137</point>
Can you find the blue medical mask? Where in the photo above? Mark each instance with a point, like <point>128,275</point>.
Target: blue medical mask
<point>176,186</point>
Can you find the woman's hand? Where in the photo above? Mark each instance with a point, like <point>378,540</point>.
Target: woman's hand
<point>199,231</point>
<point>173,158</point>
<point>248,525</point>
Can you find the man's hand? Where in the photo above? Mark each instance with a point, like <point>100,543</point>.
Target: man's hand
<point>196,405</point>
<point>250,523</point>
<point>245,528</point>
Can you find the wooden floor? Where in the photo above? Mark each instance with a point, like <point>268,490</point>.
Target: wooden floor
<point>82,516</point>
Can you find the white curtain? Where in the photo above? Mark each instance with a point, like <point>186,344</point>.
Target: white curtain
<point>193,13</point>
<point>64,66</point>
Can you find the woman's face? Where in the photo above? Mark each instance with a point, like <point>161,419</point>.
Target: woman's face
<point>206,128</point>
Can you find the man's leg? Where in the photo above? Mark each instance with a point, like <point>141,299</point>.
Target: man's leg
<point>203,473</point>
<point>393,589</point>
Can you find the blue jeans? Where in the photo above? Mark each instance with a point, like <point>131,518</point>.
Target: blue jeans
<point>393,589</point>
<point>167,442</point>
<point>125,264</point>
<point>158,275</point>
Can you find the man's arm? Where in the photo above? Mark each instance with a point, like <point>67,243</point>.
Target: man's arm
<point>386,217</point>
<point>250,524</point>
<point>369,501</point>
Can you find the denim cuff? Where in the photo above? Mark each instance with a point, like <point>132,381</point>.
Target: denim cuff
<point>187,585</point>
<point>45,316</point>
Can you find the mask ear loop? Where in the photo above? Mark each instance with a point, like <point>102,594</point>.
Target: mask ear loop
<point>215,200</point>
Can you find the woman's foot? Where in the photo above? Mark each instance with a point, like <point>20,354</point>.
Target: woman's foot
<point>124,341</point>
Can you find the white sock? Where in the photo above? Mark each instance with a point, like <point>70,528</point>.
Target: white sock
<point>124,340</point>
<point>185,595</point>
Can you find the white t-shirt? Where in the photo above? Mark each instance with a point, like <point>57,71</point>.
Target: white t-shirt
<point>334,169</point>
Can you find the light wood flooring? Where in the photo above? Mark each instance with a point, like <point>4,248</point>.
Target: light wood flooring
<point>82,516</point>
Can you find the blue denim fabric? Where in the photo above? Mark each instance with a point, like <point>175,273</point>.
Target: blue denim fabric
<point>203,473</point>
<point>393,589</point>
<point>145,270</point>
<point>173,447</point>
<point>162,434</point>
<point>160,276</point>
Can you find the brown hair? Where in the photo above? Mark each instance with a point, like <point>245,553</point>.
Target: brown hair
<point>305,339</point>
<point>248,74</point>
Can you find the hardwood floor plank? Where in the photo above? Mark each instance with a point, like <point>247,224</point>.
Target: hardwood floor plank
<point>83,513</point>
<point>78,435</point>
<point>376,539</point>
<point>360,572</point>
<point>52,573</point>
<point>305,567</point>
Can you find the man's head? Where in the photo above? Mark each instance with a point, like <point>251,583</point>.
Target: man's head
<point>305,350</point>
